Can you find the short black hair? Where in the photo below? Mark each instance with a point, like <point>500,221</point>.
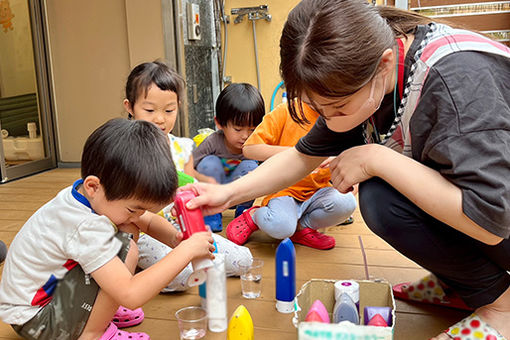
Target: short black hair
<point>132,159</point>
<point>155,72</point>
<point>240,104</point>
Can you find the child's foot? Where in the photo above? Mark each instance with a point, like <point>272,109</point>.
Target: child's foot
<point>214,222</point>
<point>350,220</point>
<point>125,317</point>
<point>240,209</point>
<point>241,227</point>
<point>113,333</point>
<point>312,238</point>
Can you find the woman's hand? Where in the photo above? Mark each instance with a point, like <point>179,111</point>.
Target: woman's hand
<point>211,198</point>
<point>354,166</point>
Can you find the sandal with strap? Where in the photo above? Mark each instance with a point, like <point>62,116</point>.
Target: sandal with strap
<point>312,238</point>
<point>114,333</point>
<point>125,317</point>
<point>429,290</point>
<point>241,227</point>
<point>473,327</point>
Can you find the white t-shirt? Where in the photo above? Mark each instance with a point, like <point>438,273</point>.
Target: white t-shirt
<point>61,231</point>
<point>181,148</point>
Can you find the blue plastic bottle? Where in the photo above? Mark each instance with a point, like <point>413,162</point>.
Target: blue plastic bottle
<point>285,276</point>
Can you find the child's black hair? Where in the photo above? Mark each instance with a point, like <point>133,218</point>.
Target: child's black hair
<point>132,159</point>
<point>240,104</point>
<point>157,72</point>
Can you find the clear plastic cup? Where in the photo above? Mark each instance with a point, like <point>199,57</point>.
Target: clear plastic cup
<point>251,278</point>
<point>192,322</point>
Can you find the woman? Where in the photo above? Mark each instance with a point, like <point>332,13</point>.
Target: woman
<point>418,114</point>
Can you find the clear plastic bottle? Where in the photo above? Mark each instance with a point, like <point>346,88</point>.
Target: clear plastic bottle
<point>216,292</point>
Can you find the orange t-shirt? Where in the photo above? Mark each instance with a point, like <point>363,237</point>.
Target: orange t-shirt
<point>278,128</point>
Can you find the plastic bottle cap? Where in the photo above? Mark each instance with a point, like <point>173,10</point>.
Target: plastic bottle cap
<point>285,306</point>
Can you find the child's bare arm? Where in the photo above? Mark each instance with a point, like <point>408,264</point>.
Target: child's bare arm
<point>159,228</point>
<point>132,291</point>
<point>261,152</point>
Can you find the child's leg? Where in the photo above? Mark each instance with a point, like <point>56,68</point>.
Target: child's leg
<point>234,254</point>
<point>105,307</point>
<point>327,207</point>
<point>242,169</point>
<point>279,218</point>
<point>152,251</point>
<point>211,166</point>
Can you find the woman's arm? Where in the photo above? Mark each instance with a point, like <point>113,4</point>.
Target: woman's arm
<point>278,172</point>
<point>425,187</point>
<point>261,152</point>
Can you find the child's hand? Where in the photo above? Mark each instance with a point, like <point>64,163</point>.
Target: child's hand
<point>200,245</point>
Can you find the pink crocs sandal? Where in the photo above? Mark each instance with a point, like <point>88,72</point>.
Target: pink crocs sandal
<point>241,227</point>
<point>429,290</point>
<point>473,327</point>
<point>113,333</point>
<point>314,239</point>
<point>125,317</point>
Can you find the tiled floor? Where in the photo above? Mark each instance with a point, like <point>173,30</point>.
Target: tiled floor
<point>19,199</point>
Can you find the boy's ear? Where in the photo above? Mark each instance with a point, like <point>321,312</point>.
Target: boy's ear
<point>127,106</point>
<point>91,186</point>
<point>218,125</point>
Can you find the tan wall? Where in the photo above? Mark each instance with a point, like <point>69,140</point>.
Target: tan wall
<point>17,73</point>
<point>93,46</point>
<point>240,49</point>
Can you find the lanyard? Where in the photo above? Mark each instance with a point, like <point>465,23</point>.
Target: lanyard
<point>400,68</point>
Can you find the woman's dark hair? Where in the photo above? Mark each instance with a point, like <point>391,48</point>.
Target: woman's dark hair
<point>157,72</point>
<point>132,159</point>
<point>240,104</point>
<point>333,47</point>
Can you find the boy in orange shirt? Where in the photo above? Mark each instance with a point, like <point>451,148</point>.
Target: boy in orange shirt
<point>298,211</point>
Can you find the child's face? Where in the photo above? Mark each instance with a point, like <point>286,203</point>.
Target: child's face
<point>235,136</point>
<point>159,107</point>
<point>123,210</point>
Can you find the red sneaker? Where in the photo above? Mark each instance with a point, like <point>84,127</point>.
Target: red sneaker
<point>312,238</point>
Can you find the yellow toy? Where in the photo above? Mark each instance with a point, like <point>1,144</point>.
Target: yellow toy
<point>202,134</point>
<point>240,326</point>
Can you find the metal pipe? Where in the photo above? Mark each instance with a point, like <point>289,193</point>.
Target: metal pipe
<point>256,54</point>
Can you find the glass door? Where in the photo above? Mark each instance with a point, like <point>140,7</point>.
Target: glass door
<point>27,144</point>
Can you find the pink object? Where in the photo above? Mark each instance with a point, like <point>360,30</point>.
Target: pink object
<point>125,317</point>
<point>317,312</point>
<point>192,221</point>
<point>113,333</point>
<point>377,320</point>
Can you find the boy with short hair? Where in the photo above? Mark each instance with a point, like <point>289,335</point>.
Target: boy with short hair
<point>64,276</point>
<point>239,109</point>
